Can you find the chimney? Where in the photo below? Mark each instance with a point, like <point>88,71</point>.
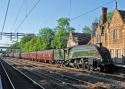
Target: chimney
<point>104,15</point>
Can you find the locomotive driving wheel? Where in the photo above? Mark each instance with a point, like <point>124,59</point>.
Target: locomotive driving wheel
<point>101,68</point>
<point>90,67</point>
<point>76,64</point>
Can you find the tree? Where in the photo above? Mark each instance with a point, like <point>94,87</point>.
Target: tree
<point>46,32</point>
<point>96,20</point>
<point>110,15</point>
<point>47,35</point>
<point>59,39</point>
<point>63,23</point>
<point>87,29</point>
<point>15,45</point>
<point>63,27</point>
<point>25,39</point>
<point>71,29</point>
<point>24,42</point>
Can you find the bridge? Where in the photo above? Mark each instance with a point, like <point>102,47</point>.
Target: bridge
<point>14,35</point>
<point>3,47</point>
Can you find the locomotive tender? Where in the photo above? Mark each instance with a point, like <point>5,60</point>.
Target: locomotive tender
<point>86,56</point>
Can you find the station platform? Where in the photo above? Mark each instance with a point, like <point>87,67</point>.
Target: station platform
<point>1,87</point>
<point>120,65</point>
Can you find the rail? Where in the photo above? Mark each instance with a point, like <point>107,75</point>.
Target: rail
<point>1,87</point>
<point>29,79</point>
<point>8,78</point>
<point>35,83</point>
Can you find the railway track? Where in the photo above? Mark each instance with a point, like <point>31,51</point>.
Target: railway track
<point>109,76</point>
<point>48,81</point>
<point>118,77</point>
<point>5,79</point>
<point>86,78</point>
<point>13,79</point>
<point>61,82</point>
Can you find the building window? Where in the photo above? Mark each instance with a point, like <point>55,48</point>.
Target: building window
<point>115,34</point>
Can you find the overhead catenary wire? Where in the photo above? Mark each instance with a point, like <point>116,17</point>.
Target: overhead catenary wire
<point>26,6</point>
<point>90,11</point>
<point>70,9</point>
<point>5,16</point>
<point>18,13</point>
<point>27,15</point>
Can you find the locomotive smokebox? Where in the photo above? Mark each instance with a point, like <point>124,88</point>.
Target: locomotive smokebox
<point>99,44</point>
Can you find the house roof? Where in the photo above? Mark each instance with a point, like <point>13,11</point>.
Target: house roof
<point>82,38</point>
<point>122,13</point>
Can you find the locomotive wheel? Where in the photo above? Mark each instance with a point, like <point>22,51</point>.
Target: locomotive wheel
<point>76,64</point>
<point>90,68</point>
<point>81,63</point>
<point>106,69</point>
<point>101,68</point>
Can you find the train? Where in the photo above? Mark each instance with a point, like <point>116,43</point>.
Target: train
<point>91,57</point>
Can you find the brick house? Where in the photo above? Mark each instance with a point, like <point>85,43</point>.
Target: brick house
<point>111,33</point>
<point>75,39</point>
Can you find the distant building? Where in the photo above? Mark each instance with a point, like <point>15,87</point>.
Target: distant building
<point>111,33</point>
<point>75,39</point>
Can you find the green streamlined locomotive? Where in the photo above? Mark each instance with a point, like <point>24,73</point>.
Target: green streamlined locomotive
<point>90,57</point>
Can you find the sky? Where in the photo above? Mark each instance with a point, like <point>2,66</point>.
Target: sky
<point>47,12</point>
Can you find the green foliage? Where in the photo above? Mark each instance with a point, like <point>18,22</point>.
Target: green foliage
<point>63,27</point>
<point>47,38</point>
<point>110,15</point>
<point>59,39</point>
<point>15,46</point>
<point>24,41</point>
<point>87,29</point>
<point>39,43</point>
<point>47,35</point>
<point>96,20</point>
<point>46,32</point>
<point>63,23</point>
<point>71,29</point>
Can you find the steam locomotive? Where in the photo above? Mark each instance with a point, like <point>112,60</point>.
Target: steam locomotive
<point>89,57</point>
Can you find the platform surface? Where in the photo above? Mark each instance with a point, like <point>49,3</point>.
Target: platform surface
<point>120,65</point>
